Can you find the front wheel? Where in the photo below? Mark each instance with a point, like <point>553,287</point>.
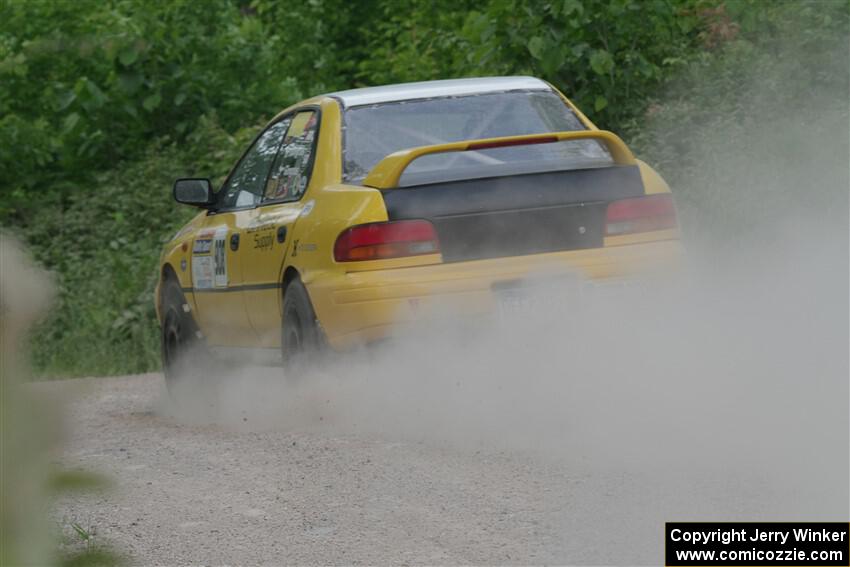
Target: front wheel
<point>301,339</point>
<point>180,347</point>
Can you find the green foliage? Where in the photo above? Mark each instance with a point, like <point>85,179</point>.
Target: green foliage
<point>756,129</point>
<point>88,552</point>
<point>93,557</point>
<point>88,83</point>
<point>608,56</point>
<point>103,244</point>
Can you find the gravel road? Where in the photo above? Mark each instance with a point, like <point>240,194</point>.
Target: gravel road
<point>222,493</point>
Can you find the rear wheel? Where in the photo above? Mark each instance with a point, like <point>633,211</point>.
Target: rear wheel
<point>301,339</point>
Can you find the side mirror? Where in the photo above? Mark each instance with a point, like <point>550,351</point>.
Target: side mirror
<point>196,192</point>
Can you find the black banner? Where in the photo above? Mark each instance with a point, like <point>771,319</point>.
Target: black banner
<point>757,543</point>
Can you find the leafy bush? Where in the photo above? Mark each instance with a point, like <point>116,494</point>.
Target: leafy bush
<point>90,83</point>
<point>608,56</point>
<point>753,133</point>
<point>103,243</point>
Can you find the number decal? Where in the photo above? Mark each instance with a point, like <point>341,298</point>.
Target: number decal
<point>220,257</point>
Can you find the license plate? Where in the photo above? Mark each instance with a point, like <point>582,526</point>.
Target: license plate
<point>524,298</point>
<point>513,304</point>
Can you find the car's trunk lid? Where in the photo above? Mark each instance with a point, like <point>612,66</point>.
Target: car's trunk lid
<point>517,214</point>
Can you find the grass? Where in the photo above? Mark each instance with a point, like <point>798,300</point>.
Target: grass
<point>84,534</point>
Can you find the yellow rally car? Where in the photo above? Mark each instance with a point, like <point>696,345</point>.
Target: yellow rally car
<point>353,212</point>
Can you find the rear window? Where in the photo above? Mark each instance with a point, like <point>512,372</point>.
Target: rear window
<point>374,131</point>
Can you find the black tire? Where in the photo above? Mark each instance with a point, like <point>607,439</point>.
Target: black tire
<point>301,340</point>
<point>182,351</point>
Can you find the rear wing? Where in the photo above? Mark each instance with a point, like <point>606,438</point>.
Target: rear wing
<point>387,173</point>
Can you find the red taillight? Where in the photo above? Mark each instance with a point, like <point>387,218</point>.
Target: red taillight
<point>652,212</point>
<point>381,240</point>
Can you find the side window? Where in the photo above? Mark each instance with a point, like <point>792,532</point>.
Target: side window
<point>245,186</point>
<point>292,167</point>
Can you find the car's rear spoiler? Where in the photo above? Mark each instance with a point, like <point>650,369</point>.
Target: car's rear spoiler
<point>387,173</point>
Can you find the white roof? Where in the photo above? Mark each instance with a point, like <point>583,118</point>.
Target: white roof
<point>429,89</point>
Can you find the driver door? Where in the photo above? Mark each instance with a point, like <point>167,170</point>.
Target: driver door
<point>273,225</point>
<point>218,249</point>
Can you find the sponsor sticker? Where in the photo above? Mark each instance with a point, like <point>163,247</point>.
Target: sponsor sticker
<point>209,260</point>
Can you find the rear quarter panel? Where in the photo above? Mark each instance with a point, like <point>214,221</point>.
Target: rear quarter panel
<point>330,207</point>
<point>334,209</point>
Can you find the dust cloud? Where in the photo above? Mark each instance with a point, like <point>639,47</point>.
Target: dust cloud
<point>734,368</point>
<point>715,374</point>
